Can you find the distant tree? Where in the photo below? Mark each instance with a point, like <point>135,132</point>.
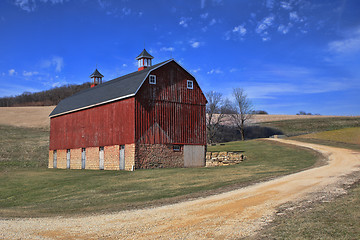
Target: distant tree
<point>243,110</point>
<point>259,112</point>
<point>216,109</point>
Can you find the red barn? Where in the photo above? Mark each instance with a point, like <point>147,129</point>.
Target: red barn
<point>151,118</point>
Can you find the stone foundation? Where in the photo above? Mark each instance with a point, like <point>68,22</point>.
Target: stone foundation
<point>214,159</point>
<point>137,156</point>
<point>158,156</point>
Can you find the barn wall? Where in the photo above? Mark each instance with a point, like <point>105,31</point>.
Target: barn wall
<point>168,112</point>
<point>105,125</point>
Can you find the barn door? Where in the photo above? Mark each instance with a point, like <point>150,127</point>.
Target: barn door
<point>55,159</point>
<point>101,158</point>
<point>83,158</point>
<point>68,159</point>
<point>194,156</point>
<point>122,157</point>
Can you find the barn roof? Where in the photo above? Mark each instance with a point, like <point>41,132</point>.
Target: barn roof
<point>116,89</point>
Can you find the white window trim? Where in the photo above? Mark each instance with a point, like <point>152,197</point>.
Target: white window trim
<point>152,82</point>
<point>192,84</point>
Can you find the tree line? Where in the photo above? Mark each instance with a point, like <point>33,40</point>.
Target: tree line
<point>227,121</point>
<point>44,98</point>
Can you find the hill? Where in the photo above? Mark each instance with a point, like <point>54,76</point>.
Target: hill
<point>43,98</point>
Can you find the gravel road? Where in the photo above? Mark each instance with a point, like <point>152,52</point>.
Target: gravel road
<point>230,215</point>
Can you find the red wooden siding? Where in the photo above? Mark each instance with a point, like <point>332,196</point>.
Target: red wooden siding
<point>169,112</point>
<point>109,124</point>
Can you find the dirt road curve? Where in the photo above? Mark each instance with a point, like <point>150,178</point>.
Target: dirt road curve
<point>226,216</point>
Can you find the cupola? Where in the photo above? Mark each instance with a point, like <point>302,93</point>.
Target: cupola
<point>96,78</point>
<point>144,60</point>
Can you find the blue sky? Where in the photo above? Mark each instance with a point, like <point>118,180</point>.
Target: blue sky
<point>288,55</point>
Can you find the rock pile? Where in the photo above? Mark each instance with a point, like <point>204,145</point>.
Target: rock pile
<point>214,159</point>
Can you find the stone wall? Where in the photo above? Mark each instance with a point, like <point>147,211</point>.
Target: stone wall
<point>214,159</point>
<point>158,156</point>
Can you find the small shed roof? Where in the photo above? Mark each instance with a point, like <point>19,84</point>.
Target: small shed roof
<point>116,89</point>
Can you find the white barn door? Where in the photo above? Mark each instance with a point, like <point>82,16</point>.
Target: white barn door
<point>194,156</point>
<point>101,158</point>
<point>122,157</point>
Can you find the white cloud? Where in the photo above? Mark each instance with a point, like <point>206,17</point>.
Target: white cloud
<point>30,5</point>
<point>195,44</point>
<point>212,22</point>
<point>351,44</point>
<point>124,65</point>
<point>29,74</point>
<point>233,70</point>
<point>12,72</point>
<point>215,71</point>
<point>126,11</point>
<point>56,61</point>
<point>265,24</point>
<point>167,49</point>
<point>270,4</point>
<point>284,29</point>
<point>286,5</point>
<point>241,30</point>
<point>294,16</point>
<point>184,21</point>
<point>204,15</point>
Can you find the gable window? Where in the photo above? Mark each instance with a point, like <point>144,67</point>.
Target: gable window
<point>190,84</point>
<point>152,79</point>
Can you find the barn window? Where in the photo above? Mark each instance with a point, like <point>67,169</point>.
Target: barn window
<point>176,148</point>
<point>55,159</point>
<point>152,79</point>
<point>189,84</point>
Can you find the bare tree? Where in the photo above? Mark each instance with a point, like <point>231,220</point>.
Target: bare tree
<point>215,113</point>
<point>243,110</point>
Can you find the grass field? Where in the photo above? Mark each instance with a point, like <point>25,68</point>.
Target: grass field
<point>306,126</point>
<point>28,188</point>
<point>345,138</point>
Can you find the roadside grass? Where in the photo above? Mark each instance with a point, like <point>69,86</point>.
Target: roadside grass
<point>343,138</point>
<point>338,219</point>
<point>29,189</point>
<point>304,126</point>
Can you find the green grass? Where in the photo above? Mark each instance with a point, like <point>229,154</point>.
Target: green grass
<point>28,188</point>
<point>23,147</point>
<point>304,126</point>
<point>343,138</point>
<point>338,219</point>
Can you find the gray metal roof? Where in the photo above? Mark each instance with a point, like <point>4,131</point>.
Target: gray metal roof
<point>144,54</point>
<point>96,73</point>
<point>118,88</point>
